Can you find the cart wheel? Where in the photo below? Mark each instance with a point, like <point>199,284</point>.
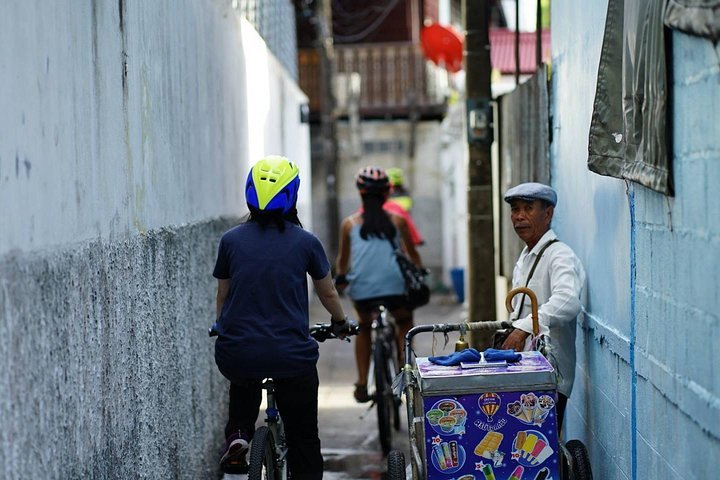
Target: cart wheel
<point>396,465</point>
<point>579,460</point>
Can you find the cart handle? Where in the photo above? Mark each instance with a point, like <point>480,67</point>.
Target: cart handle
<point>449,327</point>
<point>533,304</point>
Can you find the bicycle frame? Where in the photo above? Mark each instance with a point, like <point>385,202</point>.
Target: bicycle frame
<point>385,365</point>
<point>275,424</point>
<point>382,329</point>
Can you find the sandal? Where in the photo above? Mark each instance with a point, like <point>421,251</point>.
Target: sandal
<point>361,393</point>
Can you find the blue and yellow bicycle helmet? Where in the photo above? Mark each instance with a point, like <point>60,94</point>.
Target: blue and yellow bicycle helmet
<point>272,184</point>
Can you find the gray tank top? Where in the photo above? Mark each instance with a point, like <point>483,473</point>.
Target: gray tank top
<point>374,272</point>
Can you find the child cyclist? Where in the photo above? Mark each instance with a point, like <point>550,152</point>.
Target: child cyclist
<point>263,319</point>
<point>366,262</point>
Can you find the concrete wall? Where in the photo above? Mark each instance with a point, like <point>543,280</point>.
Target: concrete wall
<point>647,394</point>
<point>126,134</point>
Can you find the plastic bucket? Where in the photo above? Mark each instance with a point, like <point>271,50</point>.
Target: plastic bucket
<point>457,276</point>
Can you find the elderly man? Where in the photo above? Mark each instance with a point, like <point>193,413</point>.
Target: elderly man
<point>549,268</point>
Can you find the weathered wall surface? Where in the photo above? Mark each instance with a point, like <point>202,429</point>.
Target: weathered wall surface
<point>108,371</point>
<point>126,132</point>
<point>647,398</point>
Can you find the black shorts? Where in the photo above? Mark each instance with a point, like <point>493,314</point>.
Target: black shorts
<point>390,302</point>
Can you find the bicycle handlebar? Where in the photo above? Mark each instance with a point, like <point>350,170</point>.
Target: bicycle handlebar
<point>323,331</point>
<point>320,331</point>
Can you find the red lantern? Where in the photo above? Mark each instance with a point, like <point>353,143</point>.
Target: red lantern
<point>443,45</point>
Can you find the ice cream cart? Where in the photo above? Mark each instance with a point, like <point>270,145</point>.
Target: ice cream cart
<point>484,420</point>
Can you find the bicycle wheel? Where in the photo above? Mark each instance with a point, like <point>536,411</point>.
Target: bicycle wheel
<point>392,371</point>
<point>263,465</point>
<point>579,461</point>
<point>383,401</point>
<point>396,465</point>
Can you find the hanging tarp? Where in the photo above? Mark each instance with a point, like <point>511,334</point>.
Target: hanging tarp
<point>694,17</point>
<point>628,130</point>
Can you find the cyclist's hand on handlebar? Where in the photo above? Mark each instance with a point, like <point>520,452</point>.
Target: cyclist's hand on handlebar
<point>343,328</point>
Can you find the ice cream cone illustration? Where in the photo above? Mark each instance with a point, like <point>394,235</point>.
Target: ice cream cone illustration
<point>528,402</point>
<point>515,410</point>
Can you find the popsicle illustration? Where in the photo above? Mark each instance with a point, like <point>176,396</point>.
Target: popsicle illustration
<point>454,454</point>
<point>520,440</point>
<point>542,456</point>
<point>488,472</point>
<point>542,474</point>
<point>517,473</point>
<point>439,456</point>
<point>529,444</point>
<point>447,454</point>
<point>539,445</point>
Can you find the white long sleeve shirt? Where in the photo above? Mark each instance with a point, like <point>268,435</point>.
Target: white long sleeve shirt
<point>558,282</point>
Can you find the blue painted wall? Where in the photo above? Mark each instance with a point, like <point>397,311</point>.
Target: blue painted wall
<point>647,394</point>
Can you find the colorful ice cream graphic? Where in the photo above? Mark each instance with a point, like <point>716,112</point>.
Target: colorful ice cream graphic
<point>447,417</point>
<point>531,448</point>
<point>530,409</point>
<point>489,444</point>
<point>448,457</point>
<point>517,473</point>
<point>488,473</point>
<point>489,403</point>
<point>542,474</point>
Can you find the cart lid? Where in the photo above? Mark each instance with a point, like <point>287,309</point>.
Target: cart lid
<point>533,371</point>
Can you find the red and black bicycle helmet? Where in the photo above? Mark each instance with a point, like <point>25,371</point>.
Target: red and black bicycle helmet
<point>372,180</point>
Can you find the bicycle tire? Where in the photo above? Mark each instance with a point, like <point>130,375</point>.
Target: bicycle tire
<point>393,370</point>
<point>580,468</point>
<point>382,405</point>
<point>263,464</point>
<point>396,465</point>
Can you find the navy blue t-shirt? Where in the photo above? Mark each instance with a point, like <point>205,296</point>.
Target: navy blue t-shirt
<point>264,324</point>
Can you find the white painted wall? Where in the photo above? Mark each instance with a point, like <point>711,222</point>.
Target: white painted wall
<point>126,131</point>
<point>87,152</point>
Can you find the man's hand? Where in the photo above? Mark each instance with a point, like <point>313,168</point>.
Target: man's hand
<point>515,341</point>
<point>340,328</point>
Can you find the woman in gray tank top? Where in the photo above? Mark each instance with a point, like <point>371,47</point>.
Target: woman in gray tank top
<point>366,266</point>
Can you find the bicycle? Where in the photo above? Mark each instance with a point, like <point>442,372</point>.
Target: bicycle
<point>268,449</point>
<point>384,369</point>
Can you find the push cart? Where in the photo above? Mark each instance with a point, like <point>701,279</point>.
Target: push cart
<point>484,420</point>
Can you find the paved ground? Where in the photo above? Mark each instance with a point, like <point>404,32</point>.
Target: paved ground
<point>348,430</point>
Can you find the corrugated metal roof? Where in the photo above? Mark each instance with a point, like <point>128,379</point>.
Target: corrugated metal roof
<point>502,50</point>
